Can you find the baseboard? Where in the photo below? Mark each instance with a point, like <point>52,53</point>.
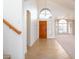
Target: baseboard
<point>52,37</point>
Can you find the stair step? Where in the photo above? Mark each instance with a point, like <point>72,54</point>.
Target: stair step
<point>6,57</point>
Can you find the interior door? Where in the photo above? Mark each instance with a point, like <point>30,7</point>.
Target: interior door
<point>43,29</point>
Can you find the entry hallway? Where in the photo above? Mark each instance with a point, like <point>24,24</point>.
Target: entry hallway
<point>46,49</point>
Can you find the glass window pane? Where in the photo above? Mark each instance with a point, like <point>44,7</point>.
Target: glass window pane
<point>62,26</point>
<point>45,14</point>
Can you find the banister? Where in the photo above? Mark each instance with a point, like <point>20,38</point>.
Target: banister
<point>11,26</point>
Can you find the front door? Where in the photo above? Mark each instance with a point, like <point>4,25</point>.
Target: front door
<point>42,29</point>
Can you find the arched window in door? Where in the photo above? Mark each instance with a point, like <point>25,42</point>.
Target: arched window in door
<point>62,26</point>
<point>45,13</point>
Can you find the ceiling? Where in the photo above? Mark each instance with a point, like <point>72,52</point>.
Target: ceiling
<point>66,3</point>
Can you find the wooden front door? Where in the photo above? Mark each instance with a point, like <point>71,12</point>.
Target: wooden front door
<point>43,29</point>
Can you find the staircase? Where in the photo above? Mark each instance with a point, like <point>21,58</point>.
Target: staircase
<point>7,56</point>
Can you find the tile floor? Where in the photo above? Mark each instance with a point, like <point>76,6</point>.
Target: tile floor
<point>46,49</point>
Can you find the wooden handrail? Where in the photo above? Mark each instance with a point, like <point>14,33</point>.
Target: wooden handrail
<point>11,26</point>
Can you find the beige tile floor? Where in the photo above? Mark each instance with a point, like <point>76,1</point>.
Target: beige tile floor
<point>46,49</point>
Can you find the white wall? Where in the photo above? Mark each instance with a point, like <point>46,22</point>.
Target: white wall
<point>14,44</point>
<point>57,11</point>
<point>32,7</point>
